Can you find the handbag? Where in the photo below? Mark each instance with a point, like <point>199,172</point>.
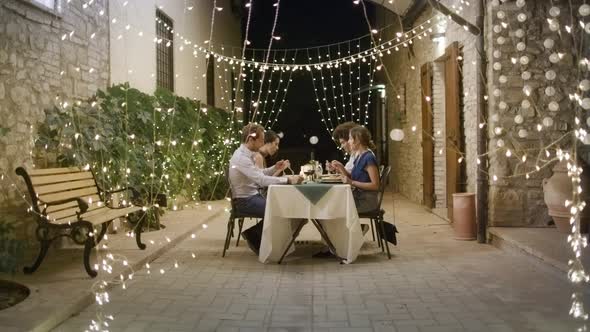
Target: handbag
<point>389,232</point>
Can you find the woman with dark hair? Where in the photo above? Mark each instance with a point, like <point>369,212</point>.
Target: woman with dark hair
<point>364,177</point>
<point>264,155</point>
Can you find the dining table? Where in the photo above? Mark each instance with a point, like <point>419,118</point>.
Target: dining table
<point>329,207</point>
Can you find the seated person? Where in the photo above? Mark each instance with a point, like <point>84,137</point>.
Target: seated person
<point>245,179</point>
<point>341,134</point>
<point>263,157</point>
<point>364,177</point>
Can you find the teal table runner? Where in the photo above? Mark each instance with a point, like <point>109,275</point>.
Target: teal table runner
<point>313,191</point>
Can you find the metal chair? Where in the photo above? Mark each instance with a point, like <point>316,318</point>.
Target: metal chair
<point>381,167</point>
<point>376,216</point>
<point>233,215</point>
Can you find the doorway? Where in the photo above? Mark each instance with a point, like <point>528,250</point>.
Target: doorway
<point>427,136</point>
<point>443,136</point>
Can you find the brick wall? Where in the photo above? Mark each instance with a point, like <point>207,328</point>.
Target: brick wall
<point>406,157</point>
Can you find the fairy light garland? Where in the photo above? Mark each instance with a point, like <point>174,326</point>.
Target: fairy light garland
<point>576,275</point>
<point>547,111</point>
<point>273,37</point>
<point>280,109</point>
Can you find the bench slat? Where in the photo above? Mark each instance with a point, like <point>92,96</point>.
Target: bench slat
<point>68,194</point>
<point>71,212</point>
<point>50,179</point>
<point>54,188</point>
<point>54,208</point>
<point>48,171</point>
<point>100,218</point>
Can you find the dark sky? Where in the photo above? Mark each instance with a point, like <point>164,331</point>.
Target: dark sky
<point>304,23</point>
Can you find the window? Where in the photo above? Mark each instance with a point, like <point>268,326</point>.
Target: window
<point>211,81</point>
<point>164,51</point>
<point>233,90</point>
<point>52,6</point>
<point>47,3</point>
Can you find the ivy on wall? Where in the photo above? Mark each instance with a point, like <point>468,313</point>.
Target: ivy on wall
<point>159,144</point>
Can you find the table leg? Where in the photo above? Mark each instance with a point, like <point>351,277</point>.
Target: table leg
<point>325,236</point>
<point>295,235</point>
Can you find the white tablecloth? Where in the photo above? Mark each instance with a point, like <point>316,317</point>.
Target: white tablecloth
<point>335,210</point>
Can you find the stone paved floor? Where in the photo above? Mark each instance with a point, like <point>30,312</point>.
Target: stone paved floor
<point>433,283</point>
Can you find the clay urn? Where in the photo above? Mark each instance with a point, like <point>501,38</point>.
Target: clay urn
<point>464,214</point>
<point>557,189</point>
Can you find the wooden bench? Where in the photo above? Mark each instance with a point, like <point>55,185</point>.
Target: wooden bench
<point>69,202</point>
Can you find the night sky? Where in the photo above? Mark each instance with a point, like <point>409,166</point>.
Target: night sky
<point>304,23</point>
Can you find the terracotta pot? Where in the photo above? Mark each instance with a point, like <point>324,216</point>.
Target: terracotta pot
<point>464,222</point>
<point>557,189</point>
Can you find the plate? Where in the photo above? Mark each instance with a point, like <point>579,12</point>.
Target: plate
<point>331,180</point>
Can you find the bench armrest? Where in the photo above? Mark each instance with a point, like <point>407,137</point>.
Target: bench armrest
<point>81,204</point>
<point>135,195</point>
<point>133,191</point>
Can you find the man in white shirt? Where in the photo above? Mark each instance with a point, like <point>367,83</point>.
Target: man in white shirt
<point>245,180</point>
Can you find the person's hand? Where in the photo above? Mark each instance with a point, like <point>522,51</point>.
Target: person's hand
<point>286,164</point>
<point>345,179</point>
<point>329,167</point>
<point>337,166</point>
<point>282,164</point>
<point>294,179</point>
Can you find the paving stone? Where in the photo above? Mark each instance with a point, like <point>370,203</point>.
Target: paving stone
<point>433,284</point>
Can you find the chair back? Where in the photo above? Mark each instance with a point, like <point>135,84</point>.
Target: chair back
<point>383,179</point>
<point>381,167</point>
<point>231,195</point>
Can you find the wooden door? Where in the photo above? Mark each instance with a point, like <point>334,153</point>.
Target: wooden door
<point>427,131</point>
<point>453,125</point>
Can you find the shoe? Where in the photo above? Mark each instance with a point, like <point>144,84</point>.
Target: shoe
<point>251,244</point>
<point>323,254</point>
<point>364,228</point>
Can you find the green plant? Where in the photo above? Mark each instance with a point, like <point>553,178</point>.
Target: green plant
<point>158,144</point>
<point>11,249</point>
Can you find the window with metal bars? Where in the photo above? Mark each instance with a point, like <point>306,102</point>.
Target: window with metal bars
<point>49,6</point>
<point>211,81</point>
<point>164,51</point>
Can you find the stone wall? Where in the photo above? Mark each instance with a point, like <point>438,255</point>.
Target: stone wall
<point>45,57</point>
<point>523,61</point>
<point>404,68</point>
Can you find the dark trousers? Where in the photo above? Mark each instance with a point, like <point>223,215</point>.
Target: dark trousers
<point>255,206</point>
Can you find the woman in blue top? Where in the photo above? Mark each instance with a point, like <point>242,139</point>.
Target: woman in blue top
<point>364,177</point>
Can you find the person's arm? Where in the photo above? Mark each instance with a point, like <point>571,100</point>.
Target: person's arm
<point>340,168</point>
<point>269,171</point>
<point>369,164</point>
<point>280,166</point>
<point>373,175</point>
<point>256,174</point>
<point>259,160</point>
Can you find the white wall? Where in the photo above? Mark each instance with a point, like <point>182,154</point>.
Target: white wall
<point>133,58</point>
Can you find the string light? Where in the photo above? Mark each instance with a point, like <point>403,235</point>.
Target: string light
<point>576,273</point>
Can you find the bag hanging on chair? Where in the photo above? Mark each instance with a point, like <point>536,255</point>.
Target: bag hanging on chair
<point>389,232</point>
